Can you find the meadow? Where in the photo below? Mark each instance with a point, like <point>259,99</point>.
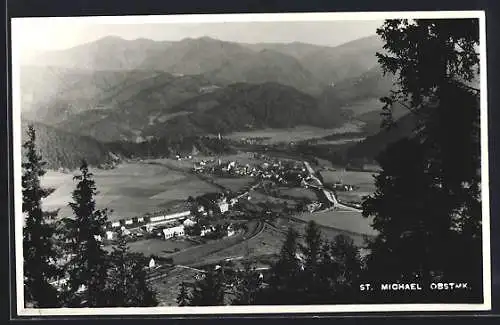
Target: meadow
<point>234,184</point>
<point>363,181</point>
<point>129,190</point>
<point>349,221</point>
<point>298,193</point>
<point>159,246</point>
<point>296,134</point>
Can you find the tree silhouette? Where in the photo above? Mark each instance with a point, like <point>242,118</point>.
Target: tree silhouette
<point>88,262</point>
<point>183,298</point>
<point>248,286</point>
<point>284,281</point>
<point>39,250</point>
<point>427,203</point>
<point>126,285</point>
<point>209,291</point>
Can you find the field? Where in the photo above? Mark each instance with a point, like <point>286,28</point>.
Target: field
<point>340,141</point>
<point>129,190</point>
<point>363,181</point>
<point>347,177</point>
<point>298,193</point>
<point>234,184</point>
<point>295,134</point>
<point>158,246</point>
<point>343,220</point>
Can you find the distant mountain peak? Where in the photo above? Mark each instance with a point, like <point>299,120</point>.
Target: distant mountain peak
<point>110,38</point>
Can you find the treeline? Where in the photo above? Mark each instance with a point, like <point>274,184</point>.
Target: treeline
<point>65,264</point>
<point>171,146</point>
<point>63,149</point>
<point>313,272</point>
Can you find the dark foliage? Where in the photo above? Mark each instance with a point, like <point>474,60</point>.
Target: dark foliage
<point>88,262</point>
<point>39,250</point>
<point>126,285</point>
<point>427,203</point>
<point>209,291</point>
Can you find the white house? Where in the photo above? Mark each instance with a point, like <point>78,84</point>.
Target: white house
<point>152,263</point>
<point>205,231</point>
<point>173,231</point>
<point>223,206</point>
<point>109,235</point>
<point>125,231</point>
<point>230,231</point>
<point>189,223</point>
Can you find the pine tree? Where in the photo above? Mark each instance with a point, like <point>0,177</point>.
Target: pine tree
<point>183,298</point>
<point>209,291</point>
<point>248,286</point>
<point>309,277</point>
<point>39,250</point>
<point>312,247</point>
<point>126,284</point>
<point>348,268</point>
<point>284,279</point>
<point>88,261</point>
<point>432,217</point>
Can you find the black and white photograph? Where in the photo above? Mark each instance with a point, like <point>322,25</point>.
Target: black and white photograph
<point>251,163</point>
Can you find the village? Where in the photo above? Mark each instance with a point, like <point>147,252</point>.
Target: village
<point>208,216</point>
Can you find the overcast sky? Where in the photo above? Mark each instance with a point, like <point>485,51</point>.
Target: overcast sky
<point>34,34</point>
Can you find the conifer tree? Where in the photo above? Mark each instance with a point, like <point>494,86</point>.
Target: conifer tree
<point>39,250</point>
<point>348,268</point>
<point>88,261</point>
<point>126,284</point>
<point>312,247</point>
<point>183,298</point>
<point>309,277</point>
<point>427,208</point>
<point>284,281</point>
<point>248,286</point>
<point>209,291</point>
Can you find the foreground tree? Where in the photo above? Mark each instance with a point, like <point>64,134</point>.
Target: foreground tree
<point>284,284</point>
<point>39,250</point>
<point>248,286</point>
<point>183,298</point>
<point>427,204</point>
<point>312,284</point>
<point>209,291</point>
<point>127,285</point>
<point>88,261</point>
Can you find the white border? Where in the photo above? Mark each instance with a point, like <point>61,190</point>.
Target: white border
<point>290,17</point>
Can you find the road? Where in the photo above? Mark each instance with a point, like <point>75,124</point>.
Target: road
<point>328,194</point>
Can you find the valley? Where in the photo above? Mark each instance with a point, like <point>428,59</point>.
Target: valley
<point>276,131</point>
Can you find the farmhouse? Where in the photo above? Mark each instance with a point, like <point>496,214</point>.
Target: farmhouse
<point>223,205</point>
<point>189,223</point>
<point>230,231</point>
<point>109,235</point>
<point>173,231</point>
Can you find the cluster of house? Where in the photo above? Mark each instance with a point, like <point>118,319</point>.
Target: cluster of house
<point>255,140</point>
<point>343,187</point>
<point>281,171</point>
<point>208,89</point>
<point>313,206</point>
<point>174,224</point>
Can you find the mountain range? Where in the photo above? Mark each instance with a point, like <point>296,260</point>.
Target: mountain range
<point>138,90</point>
